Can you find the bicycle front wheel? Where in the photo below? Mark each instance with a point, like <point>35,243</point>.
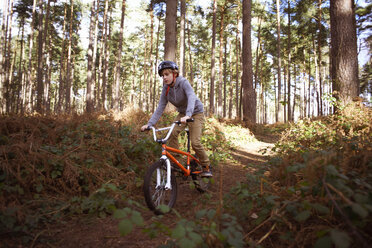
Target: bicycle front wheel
<point>154,189</point>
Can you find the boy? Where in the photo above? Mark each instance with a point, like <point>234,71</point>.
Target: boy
<point>178,91</point>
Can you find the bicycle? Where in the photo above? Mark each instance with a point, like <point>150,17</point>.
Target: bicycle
<point>160,185</point>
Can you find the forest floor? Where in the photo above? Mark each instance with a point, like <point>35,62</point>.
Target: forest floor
<point>104,232</point>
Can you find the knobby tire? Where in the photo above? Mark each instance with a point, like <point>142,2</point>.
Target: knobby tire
<point>155,197</point>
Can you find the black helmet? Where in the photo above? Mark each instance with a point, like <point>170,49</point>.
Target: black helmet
<point>167,65</point>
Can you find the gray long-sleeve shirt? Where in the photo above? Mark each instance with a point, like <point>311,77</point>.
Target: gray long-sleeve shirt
<point>182,96</point>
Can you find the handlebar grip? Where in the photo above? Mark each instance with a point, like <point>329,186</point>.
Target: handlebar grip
<point>146,129</point>
<point>188,120</point>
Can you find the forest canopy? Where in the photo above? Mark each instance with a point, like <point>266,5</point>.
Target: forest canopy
<point>76,56</point>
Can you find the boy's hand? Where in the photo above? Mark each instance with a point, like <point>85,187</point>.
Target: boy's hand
<point>144,127</point>
<point>185,118</point>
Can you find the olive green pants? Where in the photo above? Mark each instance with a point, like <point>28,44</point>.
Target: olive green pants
<point>195,129</point>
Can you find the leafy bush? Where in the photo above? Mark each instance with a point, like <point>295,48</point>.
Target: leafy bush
<point>67,164</point>
<point>316,191</point>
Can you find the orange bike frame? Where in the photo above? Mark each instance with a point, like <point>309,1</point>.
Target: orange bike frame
<point>165,151</point>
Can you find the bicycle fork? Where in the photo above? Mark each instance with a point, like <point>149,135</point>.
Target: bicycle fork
<point>168,185</point>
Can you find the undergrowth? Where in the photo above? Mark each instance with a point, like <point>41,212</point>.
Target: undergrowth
<point>52,167</point>
<point>316,191</point>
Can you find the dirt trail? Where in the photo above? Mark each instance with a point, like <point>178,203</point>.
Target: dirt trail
<point>104,232</point>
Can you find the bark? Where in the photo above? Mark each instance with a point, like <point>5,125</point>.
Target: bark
<point>21,81</point>
<point>249,95</point>
<point>320,107</point>
<point>182,38</point>
<point>29,80</point>
<point>220,83</point>
<point>7,52</point>
<point>191,78</point>
<point>118,60</point>
<point>61,88</point>
<point>156,62</point>
<point>344,70</point>
<point>90,82</point>
<point>224,80</point>
<point>40,83</point>
<point>170,44</point>
<point>237,47</point>
<point>278,107</point>
<point>3,47</point>
<point>289,48</point>
<point>105,57</point>
<point>151,62</point>
<point>94,66</point>
<point>69,62</point>
<point>46,59</point>
<point>211,94</point>
<point>231,82</point>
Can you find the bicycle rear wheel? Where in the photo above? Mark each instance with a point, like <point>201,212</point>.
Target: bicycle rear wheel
<point>202,184</point>
<point>157,195</point>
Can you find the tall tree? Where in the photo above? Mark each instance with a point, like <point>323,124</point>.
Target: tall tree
<point>289,64</point>
<point>344,70</point>
<point>220,83</point>
<point>213,72</point>
<point>29,80</point>
<point>90,81</point>
<point>118,60</point>
<point>170,44</point>
<point>249,95</point>
<point>40,72</point>
<point>69,61</point>
<point>319,47</point>
<point>278,106</point>
<point>182,38</point>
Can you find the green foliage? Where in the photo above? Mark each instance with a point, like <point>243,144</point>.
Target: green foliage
<point>129,219</point>
<point>207,229</point>
<point>79,165</point>
<point>320,180</point>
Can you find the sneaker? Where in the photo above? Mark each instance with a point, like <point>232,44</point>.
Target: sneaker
<point>206,172</point>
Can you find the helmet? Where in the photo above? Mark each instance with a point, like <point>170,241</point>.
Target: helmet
<point>167,65</point>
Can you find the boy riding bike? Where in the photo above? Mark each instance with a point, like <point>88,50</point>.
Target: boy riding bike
<point>179,92</point>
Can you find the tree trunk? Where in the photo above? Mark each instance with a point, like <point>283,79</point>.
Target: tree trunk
<point>237,90</point>
<point>3,47</point>
<point>278,107</point>
<point>249,95</point>
<point>29,80</point>
<point>344,72</point>
<point>319,47</point>
<point>8,54</point>
<point>152,79</point>
<point>46,59</point>
<point>289,48</point>
<point>191,77</point>
<point>90,82</point>
<point>224,80</point>
<point>40,72</point>
<point>156,71</point>
<point>182,38</point>
<point>231,81</point>
<point>69,62</point>
<point>170,44</point>
<point>213,73</point>
<point>61,89</point>
<point>118,60</point>
<point>220,83</point>
<point>105,58</point>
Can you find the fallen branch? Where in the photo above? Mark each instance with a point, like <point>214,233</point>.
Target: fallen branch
<point>267,234</point>
<point>348,222</point>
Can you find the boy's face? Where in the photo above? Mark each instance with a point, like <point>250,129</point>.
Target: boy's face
<point>167,76</point>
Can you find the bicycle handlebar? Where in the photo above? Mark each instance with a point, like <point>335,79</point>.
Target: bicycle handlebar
<point>170,128</point>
